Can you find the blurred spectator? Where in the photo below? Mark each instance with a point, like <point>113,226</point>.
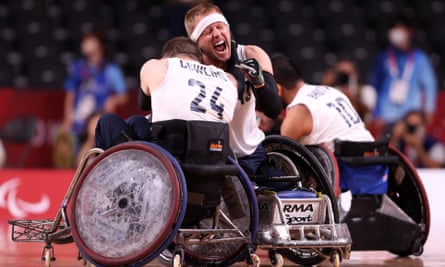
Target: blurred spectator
<point>94,84</point>
<point>403,77</point>
<point>411,137</point>
<point>344,76</point>
<point>2,154</point>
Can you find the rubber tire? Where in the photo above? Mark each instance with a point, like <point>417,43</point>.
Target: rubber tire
<point>179,191</point>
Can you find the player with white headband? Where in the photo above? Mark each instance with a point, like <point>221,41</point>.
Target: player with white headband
<point>206,25</point>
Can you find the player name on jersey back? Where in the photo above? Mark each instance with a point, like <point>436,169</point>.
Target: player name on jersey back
<point>209,71</point>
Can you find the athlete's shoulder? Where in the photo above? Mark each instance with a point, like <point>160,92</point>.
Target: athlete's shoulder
<point>152,64</point>
<point>254,51</point>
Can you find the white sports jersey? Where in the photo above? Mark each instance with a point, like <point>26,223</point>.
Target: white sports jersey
<point>333,116</point>
<point>245,134</point>
<point>193,91</point>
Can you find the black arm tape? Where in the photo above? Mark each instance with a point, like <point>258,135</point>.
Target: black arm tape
<point>144,101</point>
<point>267,97</point>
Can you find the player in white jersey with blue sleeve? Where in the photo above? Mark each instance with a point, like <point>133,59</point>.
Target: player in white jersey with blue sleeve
<point>315,114</point>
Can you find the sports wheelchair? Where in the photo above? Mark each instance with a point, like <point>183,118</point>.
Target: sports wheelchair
<point>379,192</point>
<point>300,223</point>
<point>137,200</point>
<point>140,200</point>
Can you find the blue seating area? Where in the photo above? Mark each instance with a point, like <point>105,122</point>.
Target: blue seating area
<point>38,37</point>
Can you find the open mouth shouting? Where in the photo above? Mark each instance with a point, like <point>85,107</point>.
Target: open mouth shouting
<point>220,46</point>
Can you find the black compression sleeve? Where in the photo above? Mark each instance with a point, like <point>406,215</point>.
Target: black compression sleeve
<point>267,97</point>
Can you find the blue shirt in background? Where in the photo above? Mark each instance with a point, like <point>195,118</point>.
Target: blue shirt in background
<point>422,84</point>
<point>92,85</point>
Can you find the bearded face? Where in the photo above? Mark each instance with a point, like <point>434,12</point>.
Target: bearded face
<point>215,44</point>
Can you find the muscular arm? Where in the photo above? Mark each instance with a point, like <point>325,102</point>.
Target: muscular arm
<point>152,74</point>
<point>297,123</point>
<point>267,97</point>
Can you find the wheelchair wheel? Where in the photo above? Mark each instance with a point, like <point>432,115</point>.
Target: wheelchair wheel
<point>313,176</point>
<point>128,205</point>
<point>407,191</point>
<point>238,203</point>
<point>329,163</point>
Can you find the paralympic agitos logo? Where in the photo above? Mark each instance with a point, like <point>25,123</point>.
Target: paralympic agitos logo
<point>20,208</point>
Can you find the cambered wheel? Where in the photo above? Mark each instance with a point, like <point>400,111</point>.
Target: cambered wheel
<point>238,203</point>
<point>313,176</point>
<point>408,192</point>
<point>128,205</point>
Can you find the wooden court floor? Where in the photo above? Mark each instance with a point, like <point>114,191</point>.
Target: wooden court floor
<point>28,255</point>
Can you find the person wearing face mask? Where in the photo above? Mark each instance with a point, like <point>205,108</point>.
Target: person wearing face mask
<point>94,85</point>
<point>403,77</point>
<point>410,136</point>
<point>345,77</point>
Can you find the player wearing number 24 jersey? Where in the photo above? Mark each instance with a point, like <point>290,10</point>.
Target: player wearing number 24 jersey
<point>187,90</point>
<point>315,114</point>
<point>180,88</point>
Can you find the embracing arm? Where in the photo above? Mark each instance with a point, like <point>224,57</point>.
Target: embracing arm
<point>267,94</point>
<point>152,74</point>
<point>297,123</point>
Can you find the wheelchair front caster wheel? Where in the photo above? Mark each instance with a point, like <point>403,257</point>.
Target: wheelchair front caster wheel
<point>256,260</point>
<point>47,258</point>
<point>335,259</point>
<point>279,260</point>
<point>177,261</point>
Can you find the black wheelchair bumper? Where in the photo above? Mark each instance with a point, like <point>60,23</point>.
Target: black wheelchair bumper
<point>377,223</point>
<point>396,219</point>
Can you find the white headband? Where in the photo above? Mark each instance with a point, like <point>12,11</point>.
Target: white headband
<point>205,22</point>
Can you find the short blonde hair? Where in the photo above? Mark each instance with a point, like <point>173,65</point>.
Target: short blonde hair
<point>196,12</point>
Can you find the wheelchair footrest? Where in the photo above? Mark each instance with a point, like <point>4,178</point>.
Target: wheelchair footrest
<point>209,236</point>
<point>306,236</point>
<point>32,230</point>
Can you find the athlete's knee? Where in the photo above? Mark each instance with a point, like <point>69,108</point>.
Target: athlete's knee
<point>109,119</point>
<point>141,127</point>
<point>108,129</point>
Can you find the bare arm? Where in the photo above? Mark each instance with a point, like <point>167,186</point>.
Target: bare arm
<point>297,123</point>
<point>267,96</point>
<point>253,51</point>
<point>152,74</point>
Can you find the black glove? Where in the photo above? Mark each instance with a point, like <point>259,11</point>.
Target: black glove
<point>253,70</point>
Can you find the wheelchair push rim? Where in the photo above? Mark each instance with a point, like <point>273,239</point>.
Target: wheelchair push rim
<point>300,154</point>
<point>128,205</point>
<point>227,253</point>
<point>421,216</point>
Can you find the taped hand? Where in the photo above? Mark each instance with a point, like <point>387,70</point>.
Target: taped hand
<point>253,70</point>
